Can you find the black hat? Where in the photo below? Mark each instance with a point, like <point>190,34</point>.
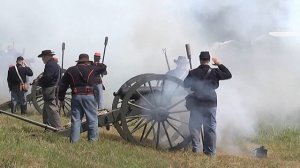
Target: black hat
<point>20,58</point>
<point>46,52</point>
<point>83,58</point>
<point>204,55</point>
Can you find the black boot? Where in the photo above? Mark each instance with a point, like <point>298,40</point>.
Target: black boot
<point>13,108</point>
<point>23,109</point>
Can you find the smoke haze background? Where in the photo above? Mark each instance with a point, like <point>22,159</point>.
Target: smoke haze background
<point>265,68</point>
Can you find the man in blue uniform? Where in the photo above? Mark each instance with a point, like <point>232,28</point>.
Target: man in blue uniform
<point>81,78</point>
<point>98,87</point>
<point>202,103</point>
<point>49,81</point>
<point>15,75</point>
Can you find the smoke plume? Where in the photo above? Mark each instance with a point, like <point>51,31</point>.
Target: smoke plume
<point>265,79</point>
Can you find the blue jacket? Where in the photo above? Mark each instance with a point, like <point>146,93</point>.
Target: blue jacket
<point>81,75</point>
<point>204,86</point>
<point>50,75</point>
<point>13,79</point>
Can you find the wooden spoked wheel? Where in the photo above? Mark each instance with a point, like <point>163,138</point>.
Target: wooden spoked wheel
<point>118,99</point>
<point>36,97</point>
<point>154,113</point>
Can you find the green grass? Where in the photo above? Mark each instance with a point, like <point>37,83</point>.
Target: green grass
<point>25,145</point>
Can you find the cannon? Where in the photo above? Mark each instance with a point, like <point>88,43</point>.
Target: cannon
<point>148,110</point>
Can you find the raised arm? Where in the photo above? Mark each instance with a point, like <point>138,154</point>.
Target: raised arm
<point>222,72</point>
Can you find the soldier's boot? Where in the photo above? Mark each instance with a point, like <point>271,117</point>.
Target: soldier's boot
<point>23,109</point>
<point>13,108</point>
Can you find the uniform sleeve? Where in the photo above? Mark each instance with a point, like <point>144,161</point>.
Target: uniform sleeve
<point>64,85</point>
<point>49,71</point>
<point>28,71</point>
<point>99,69</point>
<point>9,79</point>
<point>223,73</point>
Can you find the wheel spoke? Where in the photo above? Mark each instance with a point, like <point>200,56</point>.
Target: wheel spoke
<point>140,126</point>
<point>172,118</point>
<point>157,138</point>
<point>145,99</point>
<point>42,104</point>
<point>148,132</point>
<point>137,116</point>
<point>175,129</point>
<point>139,119</point>
<point>139,123</point>
<point>67,108</point>
<point>167,134</point>
<point>69,99</point>
<point>39,100</point>
<point>68,103</point>
<point>128,121</point>
<point>179,111</point>
<point>157,83</point>
<point>145,127</point>
<point>162,88</point>
<point>138,106</point>
<point>152,93</point>
<point>170,107</point>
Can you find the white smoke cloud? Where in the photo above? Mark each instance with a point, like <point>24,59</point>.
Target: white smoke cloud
<point>264,68</point>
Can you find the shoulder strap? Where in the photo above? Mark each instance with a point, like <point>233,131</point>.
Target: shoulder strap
<point>85,80</point>
<point>18,74</point>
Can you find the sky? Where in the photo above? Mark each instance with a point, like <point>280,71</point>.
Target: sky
<point>265,68</point>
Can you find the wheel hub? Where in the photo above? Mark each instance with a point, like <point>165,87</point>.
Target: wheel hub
<point>160,114</point>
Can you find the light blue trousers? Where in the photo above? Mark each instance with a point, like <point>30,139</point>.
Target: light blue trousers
<point>99,95</point>
<point>205,116</point>
<point>83,105</point>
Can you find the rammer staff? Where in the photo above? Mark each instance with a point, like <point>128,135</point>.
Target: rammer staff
<point>166,57</point>
<point>188,52</point>
<point>63,46</point>
<point>105,44</point>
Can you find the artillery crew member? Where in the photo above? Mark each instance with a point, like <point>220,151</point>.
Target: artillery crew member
<point>81,80</point>
<point>49,81</point>
<point>17,75</point>
<point>98,86</point>
<point>181,70</point>
<point>202,103</point>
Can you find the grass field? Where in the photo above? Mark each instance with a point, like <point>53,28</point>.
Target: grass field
<point>24,145</point>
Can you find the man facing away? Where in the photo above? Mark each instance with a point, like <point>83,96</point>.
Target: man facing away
<point>20,70</point>
<point>98,86</point>
<point>202,103</point>
<point>49,81</point>
<point>81,78</point>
